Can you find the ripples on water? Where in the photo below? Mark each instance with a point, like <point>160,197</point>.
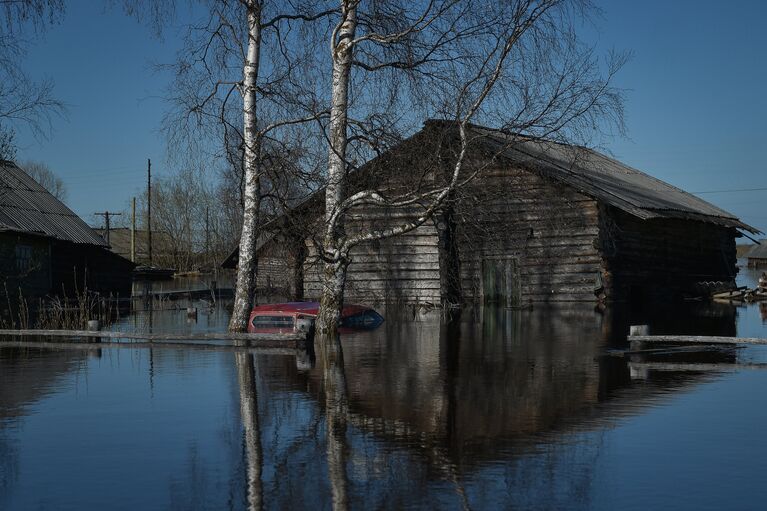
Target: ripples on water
<point>505,410</point>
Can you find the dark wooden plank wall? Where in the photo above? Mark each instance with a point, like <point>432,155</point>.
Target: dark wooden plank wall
<point>72,264</point>
<point>550,229</point>
<point>663,258</point>
<point>34,282</point>
<point>277,268</point>
<point>403,269</point>
<point>565,247</point>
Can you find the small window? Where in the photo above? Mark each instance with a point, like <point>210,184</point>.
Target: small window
<point>273,321</point>
<point>23,258</point>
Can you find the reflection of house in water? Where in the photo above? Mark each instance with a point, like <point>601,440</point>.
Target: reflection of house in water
<point>29,373</point>
<point>27,376</point>
<point>502,377</point>
<point>494,385</point>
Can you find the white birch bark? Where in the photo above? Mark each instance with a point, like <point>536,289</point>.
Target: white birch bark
<point>248,263</point>
<point>336,263</point>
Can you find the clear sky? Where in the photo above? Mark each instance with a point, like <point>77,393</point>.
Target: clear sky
<point>695,111</point>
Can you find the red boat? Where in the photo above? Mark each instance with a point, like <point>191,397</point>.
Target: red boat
<point>289,317</point>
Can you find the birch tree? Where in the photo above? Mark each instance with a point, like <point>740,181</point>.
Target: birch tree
<point>517,65</point>
<point>245,49</point>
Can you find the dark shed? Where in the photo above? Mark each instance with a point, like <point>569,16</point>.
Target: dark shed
<point>45,248</point>
<point>542,222</point>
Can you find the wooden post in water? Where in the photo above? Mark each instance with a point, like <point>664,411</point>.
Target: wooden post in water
<point>149,209</point>
<point>635,330</point>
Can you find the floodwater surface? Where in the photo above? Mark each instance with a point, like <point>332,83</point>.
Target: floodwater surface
<point>504,410</point>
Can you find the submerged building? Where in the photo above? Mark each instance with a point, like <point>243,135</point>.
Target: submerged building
<point>46,249</point>
<point>542,222</point>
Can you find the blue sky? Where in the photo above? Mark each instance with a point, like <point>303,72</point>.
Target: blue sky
<point>695,110</point>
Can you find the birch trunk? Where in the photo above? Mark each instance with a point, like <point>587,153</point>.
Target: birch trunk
<point>332,297</point>
<point>248,263</point>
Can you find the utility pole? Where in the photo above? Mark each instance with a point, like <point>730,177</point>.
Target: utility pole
<point>106,215</point>
<point>207,235</point>
<point>149,208</point>
<point>133,231</point>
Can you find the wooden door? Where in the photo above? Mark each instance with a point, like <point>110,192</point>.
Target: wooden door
<point>500,281</point>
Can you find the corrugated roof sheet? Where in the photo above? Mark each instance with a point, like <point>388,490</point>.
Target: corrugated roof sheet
<point>25,206</point>
<point>607,180</point>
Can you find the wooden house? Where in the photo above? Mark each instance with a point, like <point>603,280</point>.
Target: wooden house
<point>757,256</point>
<point>541,222</point>
<point>46,249</point>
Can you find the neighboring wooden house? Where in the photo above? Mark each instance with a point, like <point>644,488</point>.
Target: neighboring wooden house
<point>757,256</point>
<point>45,248</point>
<point>542,222</point>
<point>120,243</point>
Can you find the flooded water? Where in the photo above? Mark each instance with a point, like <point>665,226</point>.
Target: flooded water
<point>504,410</point>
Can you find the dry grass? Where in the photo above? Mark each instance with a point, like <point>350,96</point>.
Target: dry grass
<point>58,312</point>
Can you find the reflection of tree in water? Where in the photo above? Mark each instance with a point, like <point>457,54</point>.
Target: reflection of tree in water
<point>246,377</point>
<point>330,360</point>
<point>203,485</point>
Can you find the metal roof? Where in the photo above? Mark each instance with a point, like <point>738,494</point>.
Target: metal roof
<point>606,179</point>
<point>27,207</point>
<point>758,251</point>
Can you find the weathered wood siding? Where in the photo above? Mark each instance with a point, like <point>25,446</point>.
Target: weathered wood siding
<point>279,268</point>
<point>31,276</point>
<point>403,269</point>
<point>522,238</point>
<point>549,230</point>
<point>663,258</point>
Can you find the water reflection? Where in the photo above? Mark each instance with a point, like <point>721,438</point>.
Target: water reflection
<point>499,409</point>
<point>465,392</point>
<point>246,377</point>
<point>330,360</point>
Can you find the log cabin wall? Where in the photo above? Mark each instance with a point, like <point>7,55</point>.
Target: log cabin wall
<point>538,225</point>
<point>662,259</point>
<point>277,268</point>
<point>537,237</point>
<point>402,269</point>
